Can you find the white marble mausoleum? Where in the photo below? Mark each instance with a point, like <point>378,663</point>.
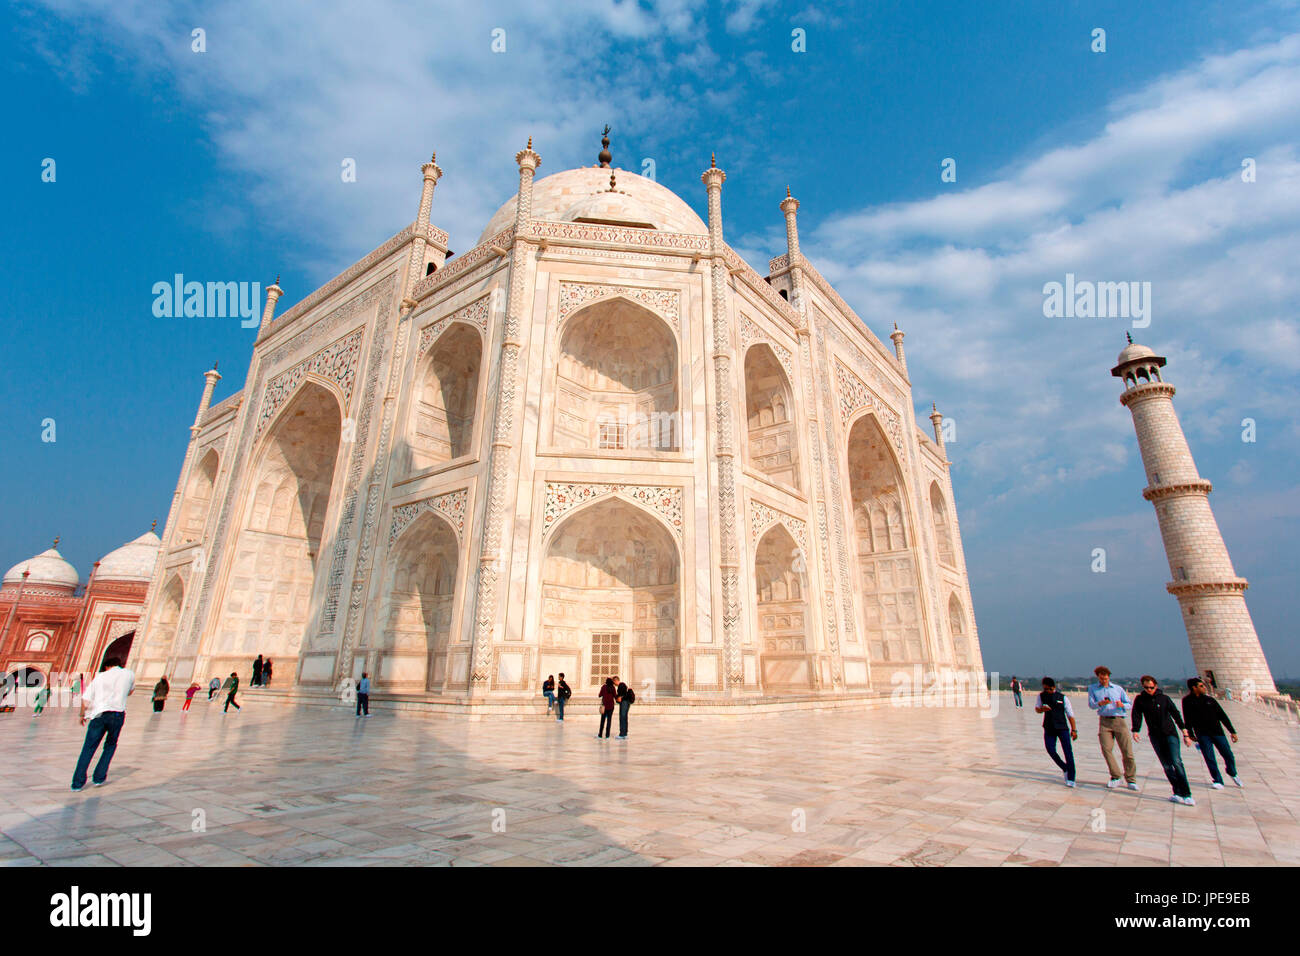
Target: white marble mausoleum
<point>597,443</point>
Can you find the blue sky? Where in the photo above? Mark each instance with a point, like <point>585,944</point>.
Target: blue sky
<point>1122,165</point>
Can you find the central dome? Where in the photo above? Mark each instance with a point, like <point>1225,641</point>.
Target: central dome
<point>583,195</point>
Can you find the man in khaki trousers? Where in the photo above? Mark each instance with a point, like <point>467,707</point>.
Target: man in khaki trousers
<point>1113,706</point>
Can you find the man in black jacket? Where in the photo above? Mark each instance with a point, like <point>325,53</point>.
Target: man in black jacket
<point>1162,717</point>
<point>1058,727</point>
<point>1206,719</point>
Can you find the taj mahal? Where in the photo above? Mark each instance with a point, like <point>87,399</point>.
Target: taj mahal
<point>597,443</point>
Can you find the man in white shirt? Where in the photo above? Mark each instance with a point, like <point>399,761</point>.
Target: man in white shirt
<point>103,703</point>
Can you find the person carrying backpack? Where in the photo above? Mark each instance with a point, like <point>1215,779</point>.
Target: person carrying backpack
<point>625,696</point>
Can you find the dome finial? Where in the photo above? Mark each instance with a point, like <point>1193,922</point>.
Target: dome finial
<point>1129,336</point>
<point>154,527</point>
<point>55,546</point>
<point>787,192</point>
<point>530,143</point>
<point>713,160</point>
<point>604,156</point>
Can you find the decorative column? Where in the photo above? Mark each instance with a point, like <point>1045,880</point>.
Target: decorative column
<point>273,293</point>
<point>1209,592</point>
<point>897,336</point>
<point>432,173</point>
<point>724,446</point>
<point>935,418</point>
<point>805,333</point>
<point>138,646</point>
<point>491,559</point>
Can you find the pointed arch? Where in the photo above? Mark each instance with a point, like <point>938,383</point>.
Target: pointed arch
<point>616,384</point>
<point>266,606</point>
<point>957,629</point>
<point>772,445</point>
<point>162,629</point>
<point>198,496</point>
<point>444,408</point>
<point>887,584</point>
<point>780,585</point>
<point>943,532</point>
<point>420,586</point>
<point>611,596</point>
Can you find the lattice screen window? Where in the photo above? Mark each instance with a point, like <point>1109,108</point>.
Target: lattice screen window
<point>612,435</point>
<point>604,656</point>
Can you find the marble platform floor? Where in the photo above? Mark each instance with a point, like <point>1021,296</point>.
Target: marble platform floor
<point>299,785</point>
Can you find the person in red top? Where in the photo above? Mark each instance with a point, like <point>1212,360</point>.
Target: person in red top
<point>606,708</point>
<point>189,695</point>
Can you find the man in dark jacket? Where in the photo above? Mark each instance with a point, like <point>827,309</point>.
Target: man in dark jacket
<point>1058,727</point>
<point>1206,719</point>
<point>562,695</point>
<point>1162,717</point>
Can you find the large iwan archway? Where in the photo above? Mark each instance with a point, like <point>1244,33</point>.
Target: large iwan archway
<point>616,381</point>
<point>611,599</point>
<point>421,600</point>
<point>198,497</point>
<point>267,603</point>
<point>887,577</point>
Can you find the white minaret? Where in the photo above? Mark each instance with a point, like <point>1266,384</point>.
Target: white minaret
<point>1212,597</point>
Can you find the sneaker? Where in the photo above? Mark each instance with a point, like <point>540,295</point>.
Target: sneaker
<point>1190,801</point>
<point>99,783</point>
<point>1175,799</point>
<point>622,736</point>
<point>1216,785</point>
<point>1114,782</point>
<point>1069,783</point>
<point>1131,786</point>
<point>78,789</point>
<point>1237,781</point>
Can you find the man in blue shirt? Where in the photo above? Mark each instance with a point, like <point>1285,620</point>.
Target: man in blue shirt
<point>1112,705</point>
<point>363,695</point>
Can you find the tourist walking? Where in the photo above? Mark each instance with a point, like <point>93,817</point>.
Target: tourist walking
<point>1058,727</point>
<point>189,695</point>
<point>42,696</point>
<point>266,672</point>
<point>214,685</point>
<point>160,692</point>
<point>1015,691</point>
<point>625,696</point>
<point>363,695</point>
<point>606,707</point>
<point>562,695</point>
<point>1162,717</point>
<point>103,704</point>
<point>548,691</point>
<point>231,686</point>
<point>257,672</point>
<point>1111,702</point>
<point>1205,719</point>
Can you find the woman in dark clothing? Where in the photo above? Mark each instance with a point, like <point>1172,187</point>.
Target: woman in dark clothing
<point>257,672</point>
<point>606,708</point>
<point>1162,717</point>
<point>266,673</point>
<point>160,692</point>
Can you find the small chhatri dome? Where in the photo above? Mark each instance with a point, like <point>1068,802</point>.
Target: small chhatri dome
<point>1134,351</point>
<point>48,570</point>
<point>134,561</point>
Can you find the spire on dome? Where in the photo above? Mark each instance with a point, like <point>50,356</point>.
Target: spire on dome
<point>713,160</point>
<point>56,542</point>
<point>604,156</point>
<point>154,527</point>
<point>1129,336</point>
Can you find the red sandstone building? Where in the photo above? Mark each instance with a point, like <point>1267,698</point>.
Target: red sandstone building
<point>50,624</point>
